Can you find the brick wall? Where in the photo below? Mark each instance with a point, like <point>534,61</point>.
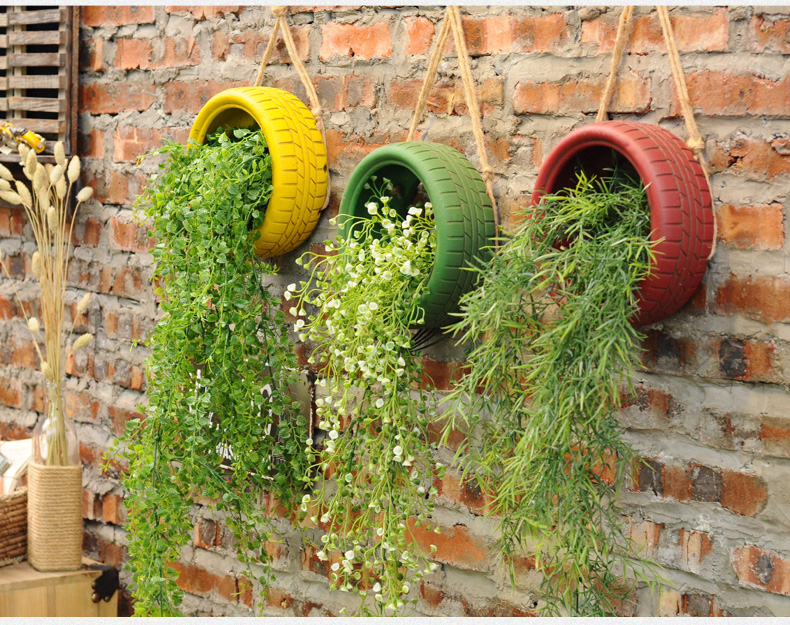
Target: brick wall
<point>710,414</point>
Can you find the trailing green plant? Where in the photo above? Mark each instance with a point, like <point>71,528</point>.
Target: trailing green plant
<point>552,349</point>
<point>219,423</point>
<point>373,476</point>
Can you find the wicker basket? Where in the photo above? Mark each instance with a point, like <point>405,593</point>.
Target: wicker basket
<point>13,526</point>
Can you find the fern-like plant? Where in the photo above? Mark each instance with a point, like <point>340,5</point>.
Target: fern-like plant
<point>553,347</point>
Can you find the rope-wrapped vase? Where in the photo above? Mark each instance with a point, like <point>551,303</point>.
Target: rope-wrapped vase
<point>13,526</point>
<point>54,517</point>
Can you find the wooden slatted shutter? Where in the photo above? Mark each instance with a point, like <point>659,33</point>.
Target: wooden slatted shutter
<point>38,73</point>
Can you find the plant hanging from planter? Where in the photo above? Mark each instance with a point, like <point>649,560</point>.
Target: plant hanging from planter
<point>554,343</point>
<point>399,264</point>
<point>374,483</point>
<point>219,423</point>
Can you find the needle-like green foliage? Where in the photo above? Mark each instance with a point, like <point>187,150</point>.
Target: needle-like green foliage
<point>553,347</point>
<point>219,369</point>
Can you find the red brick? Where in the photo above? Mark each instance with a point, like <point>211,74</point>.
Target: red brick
<point>431,593</point>
<point>694,547</point>
<point>91,53</point>
<point>278,598</point>
<point>775,436</point>
<point>507,34</point>
<point>440,374</point>
<point>418,35</point>
<point>454,546</point>
<point>80,404</point>
<point>344,148</point>
<point>91,145</point>
<point>724,93</point>
<point>133,53</point>
<point>761,569</point>
<point>191,96</point>
<point>339,93</point>
<point>128,235</point>
<point>764,298</point>
<point>359,42</point>
<point>114,97</point>
<point>130,143</point>
<point>23,354</point>
<point>87,231</point>
<point>769,34</point>
<point>632,95</point>
<point>199,581</point>
<point>113,510</point>
<point>120,417</point>
<point>10,392</point>
<point>676,482</point>
<point>742,493</point>
<point>702,32</point>
<point>253,44</point>
<point>447,96</point>
<point>202,13</point>
<point>142,54</point>
<point>116,15</point>
<point>758,159</point>
<point>645,536</point>
<point>756,227</point>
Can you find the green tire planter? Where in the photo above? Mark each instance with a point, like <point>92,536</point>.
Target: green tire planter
<point>464,215</point>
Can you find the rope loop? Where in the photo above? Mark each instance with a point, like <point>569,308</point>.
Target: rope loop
<point>695,142</point>
<point>279,11</point>
<point>696,145</point>
<point>452,24</point>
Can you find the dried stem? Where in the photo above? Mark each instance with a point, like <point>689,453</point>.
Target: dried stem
<point>47,213</point>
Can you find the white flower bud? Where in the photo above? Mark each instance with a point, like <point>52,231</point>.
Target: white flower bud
<point>24,193</point>
<point>5,173</point>
<point>56,174</point>
<point>82,306</point>
<point>60,154</point>
<point>11,197</point>
<point>74,169</point>
<point>40,179</point>
<point>31,162</point>
<point>33,324</point>
<point>52,215</point>
<point>47,371</point>
<point>37,264</point>
<point>61,187</point>
<point>4,185</point>
<point>81,342</point>
<point>85,194</point>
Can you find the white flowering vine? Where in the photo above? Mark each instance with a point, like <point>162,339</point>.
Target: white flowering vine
<point>375,472</point>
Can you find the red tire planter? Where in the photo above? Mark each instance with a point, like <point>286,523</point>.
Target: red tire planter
<point>677,191</point>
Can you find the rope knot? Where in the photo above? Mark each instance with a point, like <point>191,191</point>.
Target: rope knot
<point>488,173</point>
<point>696,145</point>
<point>279,11</point>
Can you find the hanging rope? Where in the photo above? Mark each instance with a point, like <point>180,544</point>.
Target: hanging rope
<point>281,24</point>
<point>452,23</point>
<point>695,141</point>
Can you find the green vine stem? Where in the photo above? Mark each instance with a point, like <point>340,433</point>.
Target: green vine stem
<point>552,349</point>
<point>374,473</point>
<point>219,423</point>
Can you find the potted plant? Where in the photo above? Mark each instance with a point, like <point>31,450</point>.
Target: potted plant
<point>400,264</point>
<point>220,424</point>
<point>55,473</point>
<point>300,174</point>
<point>553,346</point>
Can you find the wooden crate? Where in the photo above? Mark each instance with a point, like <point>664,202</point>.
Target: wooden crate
<point>39,49</point>
<point>25,592</point>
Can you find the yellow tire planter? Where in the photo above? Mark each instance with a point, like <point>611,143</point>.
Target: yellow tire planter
<point>299,165</point>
